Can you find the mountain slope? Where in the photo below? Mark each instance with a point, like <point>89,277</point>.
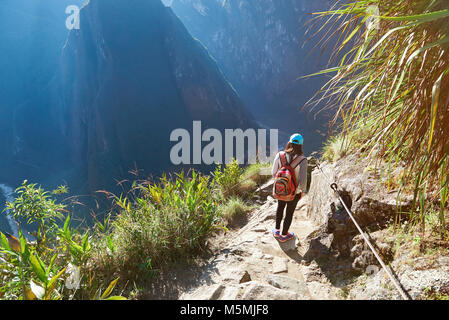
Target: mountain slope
<point>263,48</point>
<point>32,34</point>
<point>129,76</point>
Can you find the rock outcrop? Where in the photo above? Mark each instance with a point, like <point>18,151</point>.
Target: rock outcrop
<point>372,205</point>
<point>421,275</point>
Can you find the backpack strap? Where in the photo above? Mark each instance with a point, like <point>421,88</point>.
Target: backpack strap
<point>283,159</point>
<point>297,161</point>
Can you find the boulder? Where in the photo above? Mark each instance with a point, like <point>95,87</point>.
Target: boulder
<point>289,284</point>
<point>280,265</point>
<point>230,293</point>
<point>358,185</point>
<point>210,293</point>
<point>289,245</point>
<point>364,257</point>
<point>256,290</point>
<point>319,246</point>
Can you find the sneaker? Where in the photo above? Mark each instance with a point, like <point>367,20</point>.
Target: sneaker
<point>276,233</point>
<point>287,237</point>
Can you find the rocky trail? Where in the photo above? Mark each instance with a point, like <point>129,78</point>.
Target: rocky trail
<point>328,259</point>
<point>255,265</point>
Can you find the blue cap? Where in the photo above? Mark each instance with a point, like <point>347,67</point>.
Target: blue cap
<point>296,139</point>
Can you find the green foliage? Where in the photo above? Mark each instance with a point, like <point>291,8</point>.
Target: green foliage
<point>38,274</point>
<point>234,181</point>
<point>234,208</point>
<point>36,206</point>
<point>151,227</point>
<point>335,148</point>
<point>44,269</point>
<point>164,223</point>
<point>392,81</point>
<point>60,190</point>
<point>251,178</point>
<point>432,294</point>
<point>227,179</point>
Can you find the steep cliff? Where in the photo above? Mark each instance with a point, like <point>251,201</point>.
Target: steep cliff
<point>32,34</point>
<point>132,75</point>
<point>263,48</point>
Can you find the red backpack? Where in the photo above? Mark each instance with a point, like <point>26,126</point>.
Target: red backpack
<point>285,183</point>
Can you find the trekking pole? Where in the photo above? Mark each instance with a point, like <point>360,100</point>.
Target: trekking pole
<point>396,283</point>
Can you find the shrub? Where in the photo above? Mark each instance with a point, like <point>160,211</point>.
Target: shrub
<point>149,228</point>
<point>252,172</point>
<point>233,208</point>
<point>163,224</point>
<point>56,266</point>
<point>335,148</point>
<point>227,178</point>
<point>35,205</point>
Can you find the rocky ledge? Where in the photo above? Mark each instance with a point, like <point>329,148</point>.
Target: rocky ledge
<point>373,200</point>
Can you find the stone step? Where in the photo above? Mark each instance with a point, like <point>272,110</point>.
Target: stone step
<point>256,290</point>
<point>280,265</point>
<point>290,284</point>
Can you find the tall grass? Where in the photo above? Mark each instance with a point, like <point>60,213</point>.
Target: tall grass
<point>335,148</point>
<point>392,79</point>
<point>234,208</point>
<point>159,224</point>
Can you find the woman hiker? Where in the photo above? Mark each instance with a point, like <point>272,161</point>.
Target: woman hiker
<point>290,173</point>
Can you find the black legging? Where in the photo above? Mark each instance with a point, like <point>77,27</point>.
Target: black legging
<point>291,206</point>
